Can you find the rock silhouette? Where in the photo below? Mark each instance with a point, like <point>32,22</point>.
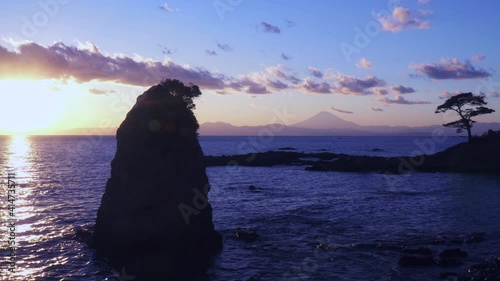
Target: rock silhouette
<point>156,198</point>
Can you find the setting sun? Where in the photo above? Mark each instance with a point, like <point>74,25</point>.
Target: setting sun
<point>30,106</point>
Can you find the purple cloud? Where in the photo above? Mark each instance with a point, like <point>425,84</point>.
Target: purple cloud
<point>310,86</point>
<point>290,23</point>
<point>60,61</point>
<point>400,100</point>
<point>380,91</point>
<point>225,47</point>
<point>276,84</point>
<point>211,52</point>
<point>266,27</point>
<point>257,83</point>
<point>376,109</point>
<point>341,110</point>
<point>316,72</point>
<point>399,89</point>
<point>285,57</point>
<point>358,86</point>
<point>280,72</point>
<point>451,69</point>
<point>167,51</point>
<point>249,85</point>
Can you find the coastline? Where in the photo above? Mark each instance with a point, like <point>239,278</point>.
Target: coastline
<point>478,156</point>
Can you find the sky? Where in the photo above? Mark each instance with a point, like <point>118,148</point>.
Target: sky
<point>67,64</point>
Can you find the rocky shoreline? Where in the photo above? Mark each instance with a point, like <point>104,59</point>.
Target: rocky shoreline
<point>479,156</point>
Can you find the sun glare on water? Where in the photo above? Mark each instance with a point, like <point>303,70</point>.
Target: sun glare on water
<point>24,215</point>
<point>29,106</point>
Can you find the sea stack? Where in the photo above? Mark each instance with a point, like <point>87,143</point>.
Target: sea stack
<point>156,198</point>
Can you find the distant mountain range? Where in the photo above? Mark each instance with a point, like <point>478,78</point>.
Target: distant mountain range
<point>321,124</point>
<point>327,124</point>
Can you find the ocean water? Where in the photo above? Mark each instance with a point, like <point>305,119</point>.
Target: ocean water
<point>360,219</point>
<point>372,146</point>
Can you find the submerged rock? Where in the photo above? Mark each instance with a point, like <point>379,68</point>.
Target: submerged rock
<point>453,253</point>
<point>416,257</point>
<point>156,198</point>
<point>248,236</point>
<point>451,257</point>
<point>476,237</point>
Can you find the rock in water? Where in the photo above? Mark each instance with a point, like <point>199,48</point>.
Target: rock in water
<point>156,198</point>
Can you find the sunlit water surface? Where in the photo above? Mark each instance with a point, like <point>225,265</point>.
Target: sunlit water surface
<point>361,217</point>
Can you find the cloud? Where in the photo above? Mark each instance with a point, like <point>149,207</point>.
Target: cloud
<point>478,57</point>
<point>310,86</point>
<point>358,86</point>
<point>257,89</point>
<point>211,52</point>
<point>66,62</point>
<point>257,83</point>
<point>100,92</point>
<point>251,86</point>
<point>400,100</point>
<point>167,51</point>
<point>60,61</point>
<point>222,93</point>
<point>447,95</point>
<point>402,19</point>
<point>423,2</point>
<point>451,69</point>
<point>364,63</point>
<point>376,109</point>
<point>341,110</point>
<point>225,47</point>
<point>276,84</point>
<point>337,83</point>
<point>380,91</point>
<point>285,57</point>
<point>290,23</point>
<point>495,94</point>
<point>266,27</point>
<point>282,73</point>
<point>166,8</point>
<point>316,72</point>
<point>399,89</point>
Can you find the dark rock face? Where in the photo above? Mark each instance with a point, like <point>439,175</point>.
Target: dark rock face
<point>156,197</point>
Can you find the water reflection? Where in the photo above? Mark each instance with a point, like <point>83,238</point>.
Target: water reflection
<point>19,152</point>
<point>19,162</point>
